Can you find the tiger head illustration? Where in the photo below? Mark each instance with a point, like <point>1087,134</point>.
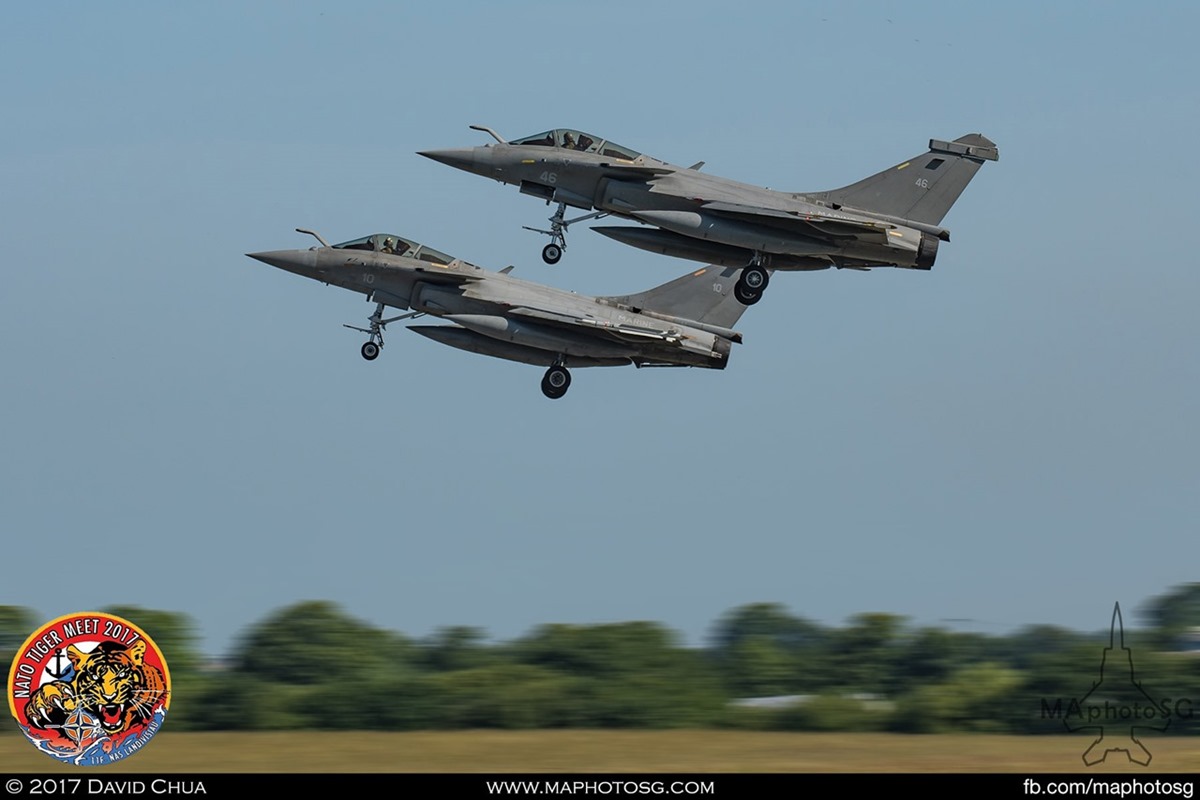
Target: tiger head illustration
<point>112,683</point>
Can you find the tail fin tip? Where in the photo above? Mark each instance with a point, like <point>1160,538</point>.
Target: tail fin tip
<point>973,145</point>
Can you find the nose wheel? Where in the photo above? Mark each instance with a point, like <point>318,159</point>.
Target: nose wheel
<point>371,348</point>
<point>556,381</point>
<point>553,252</point>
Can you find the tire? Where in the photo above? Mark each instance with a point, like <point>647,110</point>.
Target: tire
<point>746,297</point>
<point>551,253</point>
<point>370,351</point>
<point>555,382</point>
<point>755,279</point>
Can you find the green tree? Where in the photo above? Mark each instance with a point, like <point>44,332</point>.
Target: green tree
<point>455,648</point>
<point>930,655</point>
<point>508,696</point>
<point>16,625</point>
<point>759,667</point>
<point>600,650</point>
<point>974,698</point>
<point>309,665</point>
<point>762,650</point>
<point>770,621</point>
<point>1034,642</point>
<point>315,642</point>
<point>248,702</point>
<point>384,701</point>
<point>1173,614</point>
<point>629,674</point>
<point>866,653</point>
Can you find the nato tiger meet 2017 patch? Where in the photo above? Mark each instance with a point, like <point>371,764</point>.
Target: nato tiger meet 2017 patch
<point>89,688</point>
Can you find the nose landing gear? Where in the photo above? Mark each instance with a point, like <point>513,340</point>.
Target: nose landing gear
<point>371,348</point>
<point>553,252</point>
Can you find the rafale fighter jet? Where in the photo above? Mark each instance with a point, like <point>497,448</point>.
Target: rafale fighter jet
<point>685,323</point>
<point>891,219</point>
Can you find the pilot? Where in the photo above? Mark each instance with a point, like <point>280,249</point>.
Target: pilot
<point>568,141</point>
<point>389,246</point>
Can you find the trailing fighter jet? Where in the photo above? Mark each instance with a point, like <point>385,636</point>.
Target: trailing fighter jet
<point>891,219</point>
<point>685,323</point>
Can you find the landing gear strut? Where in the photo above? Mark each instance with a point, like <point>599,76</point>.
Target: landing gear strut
<point>370,349</point>
<point>556,381</point>
<point>552,252</point>
<point>752,283</point>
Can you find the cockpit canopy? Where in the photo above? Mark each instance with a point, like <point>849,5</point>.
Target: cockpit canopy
<point>396,245</point>
<point>577,140</point>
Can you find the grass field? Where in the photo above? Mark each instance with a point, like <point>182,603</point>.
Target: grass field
<point>614,751</point>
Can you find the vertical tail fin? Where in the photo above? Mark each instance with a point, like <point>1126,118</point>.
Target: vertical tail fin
<point>704,296</point>
<point>923,188</point>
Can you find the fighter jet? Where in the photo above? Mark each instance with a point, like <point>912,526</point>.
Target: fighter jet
<point>684,323</point>
<point>890,219</point>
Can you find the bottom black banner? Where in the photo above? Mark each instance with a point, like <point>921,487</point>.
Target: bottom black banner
<point>599,785</point>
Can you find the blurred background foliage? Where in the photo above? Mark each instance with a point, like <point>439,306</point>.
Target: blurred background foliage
<point>312,666</point>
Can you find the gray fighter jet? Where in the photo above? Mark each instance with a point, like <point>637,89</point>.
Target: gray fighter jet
<point>891,219</point>
<point>685,323</point>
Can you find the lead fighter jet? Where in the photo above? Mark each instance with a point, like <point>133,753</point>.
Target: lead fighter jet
<point>891,219</point>
<point>685,323</point>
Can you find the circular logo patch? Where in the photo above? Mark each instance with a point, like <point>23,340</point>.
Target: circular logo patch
<point>89,688</point>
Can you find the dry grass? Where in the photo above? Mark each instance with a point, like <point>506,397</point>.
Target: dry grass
<point>613,751</point>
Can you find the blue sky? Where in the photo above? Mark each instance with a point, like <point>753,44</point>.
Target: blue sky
<point>1009,439</point>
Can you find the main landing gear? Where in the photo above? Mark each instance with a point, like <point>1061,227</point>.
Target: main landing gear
<point>371,348</point>
<point>556,381</point>
<point>552,252</point>
<point>752,283</point>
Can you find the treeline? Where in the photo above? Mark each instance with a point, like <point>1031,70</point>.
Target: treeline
<point>311,666</point>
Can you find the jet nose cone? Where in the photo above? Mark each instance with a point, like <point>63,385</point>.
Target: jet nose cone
<point>276,258</point>
<point>298,261</point>
<point>458,157</point>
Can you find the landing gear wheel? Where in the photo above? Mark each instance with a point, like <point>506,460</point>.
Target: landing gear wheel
<point>745,296</point>
<point>555,382</point>
<point>750,286</point>
<point>557,232</point>
<point>370,351</point>
<point>755,279</point>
